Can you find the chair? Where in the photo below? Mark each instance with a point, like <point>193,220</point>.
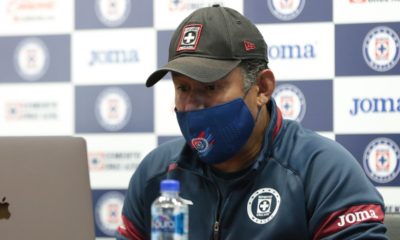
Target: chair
<point>392,223</point>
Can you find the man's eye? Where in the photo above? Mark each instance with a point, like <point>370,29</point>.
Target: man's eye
<point>210,87</point>
<point>182,88</point>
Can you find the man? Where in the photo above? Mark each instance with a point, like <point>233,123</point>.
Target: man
<point>249,173</point>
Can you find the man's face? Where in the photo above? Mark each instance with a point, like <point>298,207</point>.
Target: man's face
<point>192,95</point>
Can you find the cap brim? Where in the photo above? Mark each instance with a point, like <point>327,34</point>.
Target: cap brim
<point>201,69</point>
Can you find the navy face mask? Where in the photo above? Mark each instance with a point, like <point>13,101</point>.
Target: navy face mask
<point>217,133</point>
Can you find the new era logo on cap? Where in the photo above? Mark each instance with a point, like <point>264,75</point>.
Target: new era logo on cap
<point>189,37</point>
<point>248,46</point>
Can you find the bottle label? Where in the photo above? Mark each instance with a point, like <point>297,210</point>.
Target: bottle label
<point>169,224</point>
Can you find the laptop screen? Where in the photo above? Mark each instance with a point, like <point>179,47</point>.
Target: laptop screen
<point>44,189</point>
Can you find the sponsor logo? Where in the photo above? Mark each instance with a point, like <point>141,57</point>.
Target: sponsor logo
<point>113,109</point>
<point>374,105</point>
<point>356,217</point>
<point>381,160</point>
<point>31,111</point>
<point>263,205</point>
<point>249,46</point>
<point>112,13</point>
<point>103,57</point>
<point>187,5</point>
<point>114,161</point>
<point>290,101</point>
<point>4,211</point>
<point>177,5</point>
<point>190,37</point>
<point>372,1</point>
<point>339,220</point>
<point>108,212</point>
<point>31,59</point>
<point>286,9</point>
<point>381,49</point>
<point>29,10</point>
<point>291,51</point>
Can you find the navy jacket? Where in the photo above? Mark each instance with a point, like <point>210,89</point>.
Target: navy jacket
<point>301,186</point>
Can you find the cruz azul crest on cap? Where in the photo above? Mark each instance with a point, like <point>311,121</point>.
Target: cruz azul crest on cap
<point>190,37</point>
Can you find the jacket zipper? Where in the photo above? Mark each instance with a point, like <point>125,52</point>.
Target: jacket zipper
<point>218,214</point>
<point>216,230</point>
<point>217,217</point>
<point>220,210</point>
<point>217,223</point>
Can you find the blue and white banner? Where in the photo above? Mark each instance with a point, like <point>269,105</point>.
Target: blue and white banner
<point>79,68</point>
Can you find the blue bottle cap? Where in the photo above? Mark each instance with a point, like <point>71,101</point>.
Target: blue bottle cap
<point>169,185</point>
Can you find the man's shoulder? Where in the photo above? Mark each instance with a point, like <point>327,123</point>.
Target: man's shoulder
<point>308,148</point>
<point>159,159</point>
<point>171,147</point>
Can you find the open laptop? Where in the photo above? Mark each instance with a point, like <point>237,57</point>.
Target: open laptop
<point>44,189</point>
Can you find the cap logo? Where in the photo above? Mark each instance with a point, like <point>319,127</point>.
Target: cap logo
<point>248,46</point>
<point>189,37</point>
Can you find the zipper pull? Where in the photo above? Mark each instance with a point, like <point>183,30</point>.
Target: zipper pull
<point>216,230</point>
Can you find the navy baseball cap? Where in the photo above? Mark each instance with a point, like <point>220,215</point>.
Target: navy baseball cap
<point>210,43</point>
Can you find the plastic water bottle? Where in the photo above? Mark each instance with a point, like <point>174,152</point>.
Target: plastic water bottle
<point>169,213</point>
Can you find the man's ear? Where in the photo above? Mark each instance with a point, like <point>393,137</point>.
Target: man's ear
<point>266,86</point>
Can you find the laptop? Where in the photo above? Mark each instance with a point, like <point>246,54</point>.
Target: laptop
<point>44,189</point>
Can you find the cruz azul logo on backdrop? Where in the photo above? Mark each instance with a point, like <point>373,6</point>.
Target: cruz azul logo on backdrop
<point>381,160</point>
<point>290,101</point>
<point>177,5</point>
<point>286,9</point>
<point>108,212</point>
<point>113,109</point>
<point>374,105</point>
<point>183,5</point>
<point>263,205</point>
<point>31,59</point>
<point>113,13</point>
<point>381,49</point>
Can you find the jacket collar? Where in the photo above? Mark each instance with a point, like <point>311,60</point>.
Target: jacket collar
<point>271,134</point>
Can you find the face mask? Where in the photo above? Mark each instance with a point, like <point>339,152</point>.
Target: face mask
<point>217,133</point>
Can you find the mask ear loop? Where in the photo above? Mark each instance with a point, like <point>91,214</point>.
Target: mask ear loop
<point>258,114</point>
<point>259,108</point>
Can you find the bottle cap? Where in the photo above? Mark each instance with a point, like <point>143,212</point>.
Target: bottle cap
<point>169,185</point>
